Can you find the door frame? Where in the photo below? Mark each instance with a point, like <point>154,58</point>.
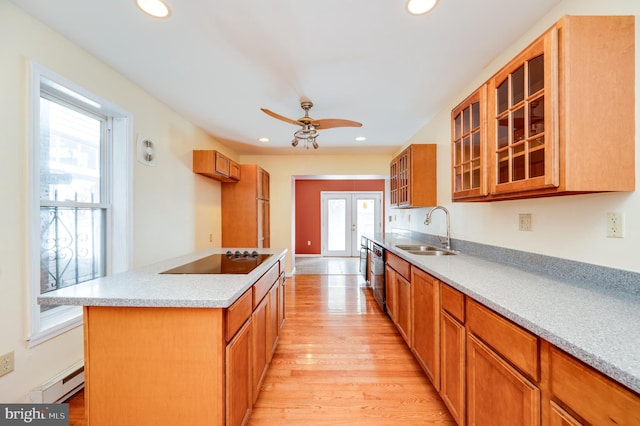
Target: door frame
<point>352,244</point>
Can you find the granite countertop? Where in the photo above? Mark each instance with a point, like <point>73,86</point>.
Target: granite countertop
<point>597,325</point>
<point>146,287</point>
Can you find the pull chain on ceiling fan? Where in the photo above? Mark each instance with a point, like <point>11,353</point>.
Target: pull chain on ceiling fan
<point>309,126</point>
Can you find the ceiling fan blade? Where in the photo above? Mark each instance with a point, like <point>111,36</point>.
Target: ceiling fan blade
<point>328,123</point>
<point>280,117</point>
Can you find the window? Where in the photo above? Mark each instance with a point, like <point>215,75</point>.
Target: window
<point>80,194</point>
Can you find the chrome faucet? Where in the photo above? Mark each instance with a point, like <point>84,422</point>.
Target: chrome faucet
<point>427,221</point>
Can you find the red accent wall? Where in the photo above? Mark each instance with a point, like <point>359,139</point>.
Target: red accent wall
<point>308,207</point>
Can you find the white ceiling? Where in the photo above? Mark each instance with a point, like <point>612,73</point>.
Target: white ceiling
<point>217,62</point>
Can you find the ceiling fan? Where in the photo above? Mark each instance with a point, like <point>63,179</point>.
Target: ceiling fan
<point>310,126</point>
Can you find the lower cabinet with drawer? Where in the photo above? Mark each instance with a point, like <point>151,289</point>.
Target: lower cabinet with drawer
<point>398,294</point>
<point>253,324</point>
<point>490,370</point>
<point>579,395</point>
<point>502,370</point>
<point>452,352</point>
<point>425,298</point>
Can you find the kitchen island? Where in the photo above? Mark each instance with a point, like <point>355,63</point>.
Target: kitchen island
<point>167,349</point>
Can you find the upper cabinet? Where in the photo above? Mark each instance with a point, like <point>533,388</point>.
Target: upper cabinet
<point>246,209</point>
<point>468,156</point>
<point>413,177</point>
<point>215,165</point>
<point>559,117</point>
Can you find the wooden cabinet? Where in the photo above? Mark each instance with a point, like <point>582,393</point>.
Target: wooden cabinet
<point>398,294</point>
<point>213,354</point>
<point>264,324</point>
<point>245,210</point>
<point>260,321</point>
<point>215,165</point>
<point>502,366</point>
<point>560,117</point>
<point>469,143</point>
<point>263,184</point>
<point>273,326</point>
<point>426,323</point>
<point>577,391</point>
<point>452,352</point>
<point>393,182</point>
<point>413,177</point>
<point>497,393</point>
<point>281,301</point>
<point>239,383</point>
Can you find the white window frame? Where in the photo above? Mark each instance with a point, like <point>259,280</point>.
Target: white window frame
<point>51,323</point>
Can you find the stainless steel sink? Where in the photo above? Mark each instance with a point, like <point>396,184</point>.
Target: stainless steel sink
<point>426,250</point>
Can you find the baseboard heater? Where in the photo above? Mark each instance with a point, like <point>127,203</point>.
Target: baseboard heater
<point>60,387</point>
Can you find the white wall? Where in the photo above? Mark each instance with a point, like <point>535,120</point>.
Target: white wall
<point>572,227</point>
<point>174,210</point>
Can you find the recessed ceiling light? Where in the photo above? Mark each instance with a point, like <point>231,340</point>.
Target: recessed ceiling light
<point>419,7</point>
<point>263,139</point>
<point>361,138</point>
<point>155,8</point>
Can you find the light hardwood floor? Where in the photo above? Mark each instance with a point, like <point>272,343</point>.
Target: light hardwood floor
<point>340,361</point>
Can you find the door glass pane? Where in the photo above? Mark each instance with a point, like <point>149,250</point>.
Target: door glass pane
<point>475,178</point>
<point>536,163</point>
<point>503,167</point>
<point>503,131</point>
<point>466,177</point>
<point>458,153</point>
<point>518,172</point>
<point>475,115</point>
<point>536,116</point>
<point>336,225</point>
<point>518,125</point>
<point>467,148</point>
<point>475,143</point>
<point>466,117</point>
<point>502,97</point>
<point>517,86</point>
<point>365,217</point>
<point>458,179</point>
<point>456,126</point>
<point>536,74</point>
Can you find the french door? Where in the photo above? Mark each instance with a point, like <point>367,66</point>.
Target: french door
<point>346,216</point>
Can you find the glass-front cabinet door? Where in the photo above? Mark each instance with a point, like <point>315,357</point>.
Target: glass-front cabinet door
<point>522,106</point>
<point>468,122</point>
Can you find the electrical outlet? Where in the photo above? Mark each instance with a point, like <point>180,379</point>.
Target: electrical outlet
<point>525,221</point>
<point>615,225</point>
<point>6,363</point>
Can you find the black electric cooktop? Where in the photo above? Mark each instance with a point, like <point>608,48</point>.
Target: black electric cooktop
<point>229,263</point>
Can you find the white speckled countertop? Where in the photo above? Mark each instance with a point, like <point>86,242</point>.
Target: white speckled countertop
<point>597,325</point>
<point>146,287</point>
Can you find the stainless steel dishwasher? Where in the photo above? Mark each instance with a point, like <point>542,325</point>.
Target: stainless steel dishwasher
<point>377,275</point>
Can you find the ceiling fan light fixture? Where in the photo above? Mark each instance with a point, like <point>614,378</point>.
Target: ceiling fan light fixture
<point>420,7</point>
<point>294,142</point>
<point>155,8</point>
